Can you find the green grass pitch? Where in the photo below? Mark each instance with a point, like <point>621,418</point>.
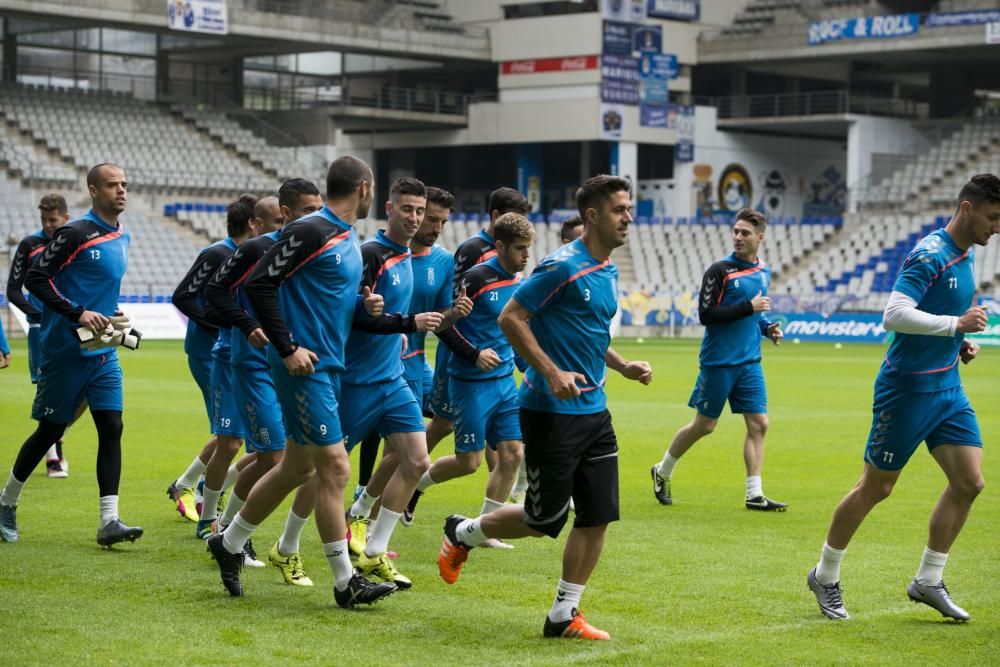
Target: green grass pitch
<point>703,581</point>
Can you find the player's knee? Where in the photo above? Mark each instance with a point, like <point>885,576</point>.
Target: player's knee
<point>703,427</point>
<point>469,463</point>
<point>969,489</point>
<point>758,425</point>
<point>877,490</point>
<point>510,456</point>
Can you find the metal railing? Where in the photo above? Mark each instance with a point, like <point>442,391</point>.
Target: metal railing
<point>388,98</point>
<point>811,104</point>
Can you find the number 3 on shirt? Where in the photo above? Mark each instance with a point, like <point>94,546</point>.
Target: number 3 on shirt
<point>586,294</point>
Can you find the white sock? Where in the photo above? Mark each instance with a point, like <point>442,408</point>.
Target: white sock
<point>666,469</point>
<point>470,532</point>
<point>109,509</point>
<point>567,599</point>
<point>362,507</point>
<point>425,482</point>
<point>381,531</point>
<point>490,506</point>
<point>12,492</point>
<point>755,487</point>
<point>340,563</point>
<point>231,476</point>
<point>53,453</point>
<point>828,569</point>
<point>210,505</point>
<point>191,475</point>
<point>521,485</point>
<point>233,505</point>
<point>931,569</point>
<point>288,543</point>
<point>237,534</point>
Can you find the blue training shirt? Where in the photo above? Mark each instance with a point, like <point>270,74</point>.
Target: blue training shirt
<point>939,276</point>
<point>433,275</point>
<point>572,298</point>
<point>304,290</point>
<point>490,287</point>
<point>733,330</point>
<point>4,347</point>
<point>189,298</point>
<point>373,357</point>
<point>80,269</point>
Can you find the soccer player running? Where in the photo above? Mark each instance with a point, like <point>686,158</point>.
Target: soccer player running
<point>374,394</point>
<point>570,444</point>
<point>484,394</point>
<point>199,343</point>
<point>732,306</point>
<point>227,424</point>
<point>4,349</point>
<point>304,292</point>
<point>477,249</point>
<point>253,385</point>
<point>433,275</point>
<point>919,397</point>
<point>77,278</point>
<point>54,214</point>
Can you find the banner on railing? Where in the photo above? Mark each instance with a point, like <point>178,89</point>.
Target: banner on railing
<point>209,16</point>
<point>838,328</point>
<point>863,27</point>
<point>973,17</point>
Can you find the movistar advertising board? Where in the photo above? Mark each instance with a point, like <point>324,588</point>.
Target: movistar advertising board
<point>839,327</point>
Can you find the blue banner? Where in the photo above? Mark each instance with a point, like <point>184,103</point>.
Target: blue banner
<point>962,18</point>
<point>653,116</point>
<point>619,79</point>
<point>647,38</point>
<point>864,27</point>
<point>684,151</point>
<point>616,91</point>
<point>679,10</point>
<point>658,65</point>
<point>617,38</point>
<point>839,327</point>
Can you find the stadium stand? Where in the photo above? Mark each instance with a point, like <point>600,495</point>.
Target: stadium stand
<point>162,151</point>
<point>934,177</point>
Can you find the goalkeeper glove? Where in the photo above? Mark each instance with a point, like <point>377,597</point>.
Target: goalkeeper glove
<point>119,332</point>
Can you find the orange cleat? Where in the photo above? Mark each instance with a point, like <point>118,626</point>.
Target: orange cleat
<point>575,628</point>
<point>453,553</point>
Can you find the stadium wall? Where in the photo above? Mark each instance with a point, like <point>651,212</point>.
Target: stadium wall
<point>780,176</point>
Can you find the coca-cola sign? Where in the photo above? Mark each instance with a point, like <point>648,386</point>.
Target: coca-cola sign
<point>572,64</point>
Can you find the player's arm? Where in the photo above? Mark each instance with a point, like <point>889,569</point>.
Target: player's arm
<point>713,285</point>
<point>384,323</point>
<point>185,297</point>
<point>903,316</point>
<point>15,282</point>
<point>633,370</point>
<point>40,280</point>
<point>452,309</point>
<point>220,289</point>
<point>293,248</point>
<point>514,323</point>
<point>459,345</point>
<point>919,272</point>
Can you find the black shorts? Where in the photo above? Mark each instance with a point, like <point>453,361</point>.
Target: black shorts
<point>569,456</point>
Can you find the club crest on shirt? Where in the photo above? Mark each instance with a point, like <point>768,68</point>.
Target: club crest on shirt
<point>430,275</point>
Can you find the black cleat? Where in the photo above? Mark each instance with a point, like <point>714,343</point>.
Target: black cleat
<point>407,518</point>
<point>361,591</point>
<point>765,504</point>
<point>661,487</point>
<point>8,523</point>
<point>115,531</point>
<point>229,565</point>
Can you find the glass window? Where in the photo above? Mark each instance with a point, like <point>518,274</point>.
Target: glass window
<point>60,38</point>
<point>128,41</point>
<point>88,40</point>
<point>322,62</point>
<point>259,62</point>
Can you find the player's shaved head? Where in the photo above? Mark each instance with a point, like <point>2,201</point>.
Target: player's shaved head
<point>345,175</point>
<point>96,173</point>
<point>266,208</point>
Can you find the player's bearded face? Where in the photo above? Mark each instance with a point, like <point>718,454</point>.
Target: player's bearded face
<point>613,218</point>
<point>746,239</point>
<point>110,194</point>
<point>365,202</point>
